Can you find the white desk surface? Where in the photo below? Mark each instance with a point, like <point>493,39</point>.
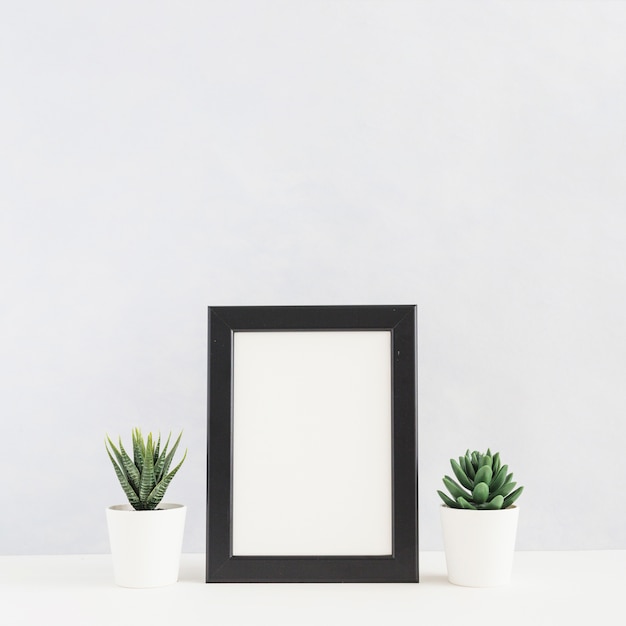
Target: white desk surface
<point>552,588</point>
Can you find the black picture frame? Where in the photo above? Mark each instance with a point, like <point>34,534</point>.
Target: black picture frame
<point>402,564</point>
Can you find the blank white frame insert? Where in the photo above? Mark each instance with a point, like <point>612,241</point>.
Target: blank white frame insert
<point>312,443</point>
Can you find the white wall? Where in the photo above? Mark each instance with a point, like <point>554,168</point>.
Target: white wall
<point>160,157</point>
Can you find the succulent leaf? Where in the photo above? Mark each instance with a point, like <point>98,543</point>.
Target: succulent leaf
<point>132,473</point>
<point>505,490</point>
<point>511,498</point>
<point>480,493</point>
<point>159,490</point>
<point>170,455</point>
<point>465,504</point>
<point>159,465</point>
<point>133,498</point>
<point>488,483</point>
<point>484,475</point>
<point>455,489</point>
<point>155,456</point>
<point>447,500</point>
<point>460,474</point>
<point>471,472</point>
<point>496,463</point>
<point>148,481</point>
<point>145,478</point>
<point>463,465</point>
<point>495,503</point>
<point>138,448</point>
<point>499,479</point>
<point>116,452</point>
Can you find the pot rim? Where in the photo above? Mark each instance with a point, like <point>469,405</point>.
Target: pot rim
<point>127,508</point>
<point>509,508</point>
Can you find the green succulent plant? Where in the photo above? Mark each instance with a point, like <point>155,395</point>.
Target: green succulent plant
<point>484,483</point>
<point>146,477</point>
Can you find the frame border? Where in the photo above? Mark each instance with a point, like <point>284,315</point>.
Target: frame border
<point>403,564</point>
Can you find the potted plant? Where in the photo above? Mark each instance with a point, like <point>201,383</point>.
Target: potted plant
<point>145,536</point>
<point>479,520</point>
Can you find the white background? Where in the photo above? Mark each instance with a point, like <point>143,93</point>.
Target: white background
<point>160,157</point>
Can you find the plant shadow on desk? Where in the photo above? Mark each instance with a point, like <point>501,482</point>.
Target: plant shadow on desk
<point>192,571</point>
<point>433,579</point>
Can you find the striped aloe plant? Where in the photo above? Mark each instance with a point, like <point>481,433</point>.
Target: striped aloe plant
<point>146,477</point>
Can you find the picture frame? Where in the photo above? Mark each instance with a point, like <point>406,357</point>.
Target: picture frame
<point>312,444</point>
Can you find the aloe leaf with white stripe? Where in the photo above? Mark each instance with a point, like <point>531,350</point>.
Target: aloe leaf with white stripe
<point>144,478</point>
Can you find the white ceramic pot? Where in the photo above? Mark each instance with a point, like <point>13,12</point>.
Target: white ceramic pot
<point>479,545</point>
<point>146,545</point>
